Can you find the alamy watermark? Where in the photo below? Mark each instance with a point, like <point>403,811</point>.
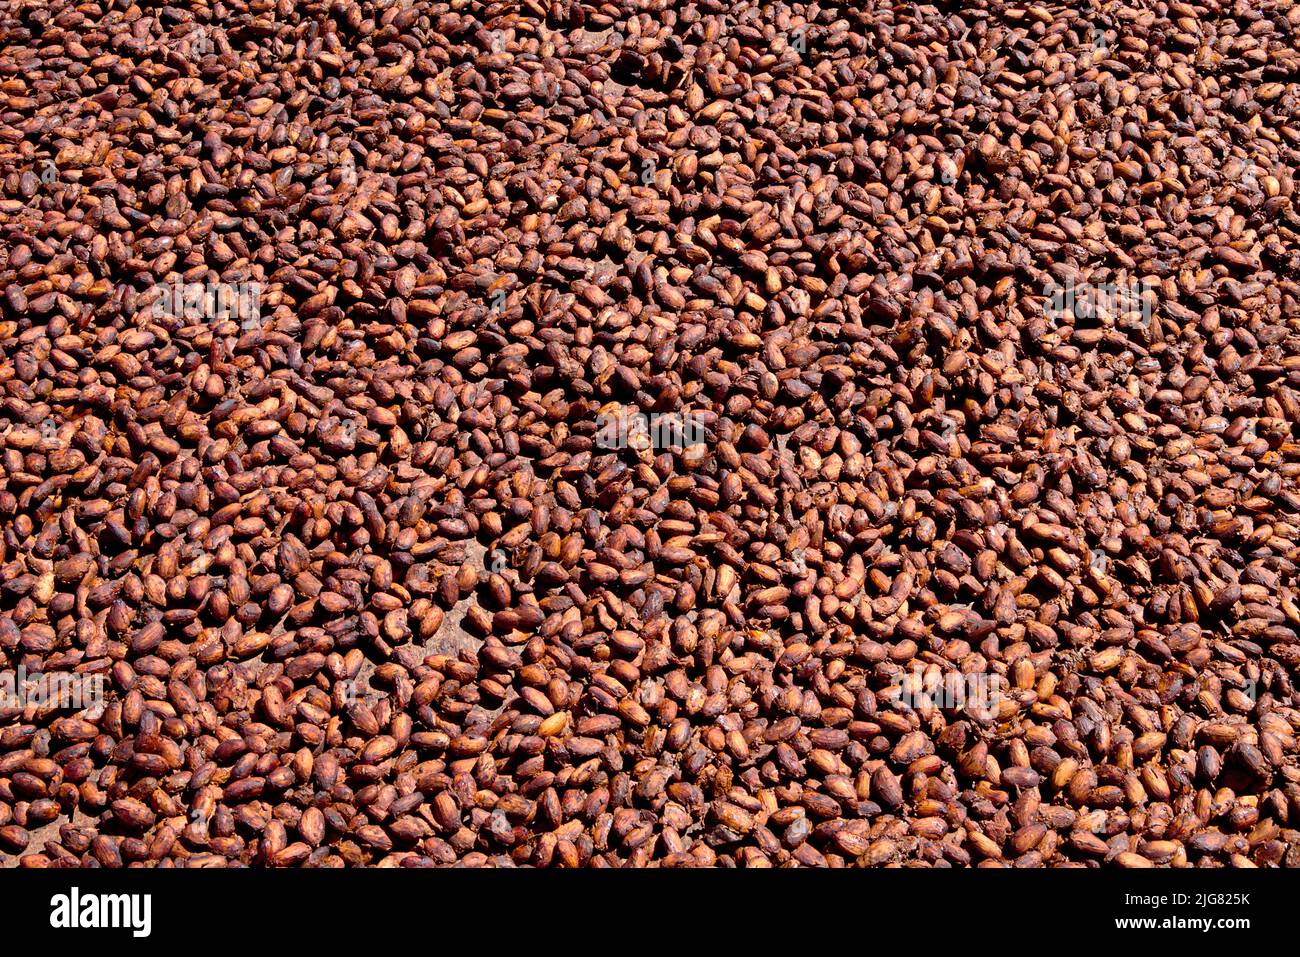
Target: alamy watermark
<point>1101,300</point>
<point>978,694</point>
<point>1099,41</point>
<point>211,300</point>
<point>347,169</point>
<point>199,42</point>
<point>352,691</point>
<point>658,431</point>
<point>60,690</point>
<point>75,910</point>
